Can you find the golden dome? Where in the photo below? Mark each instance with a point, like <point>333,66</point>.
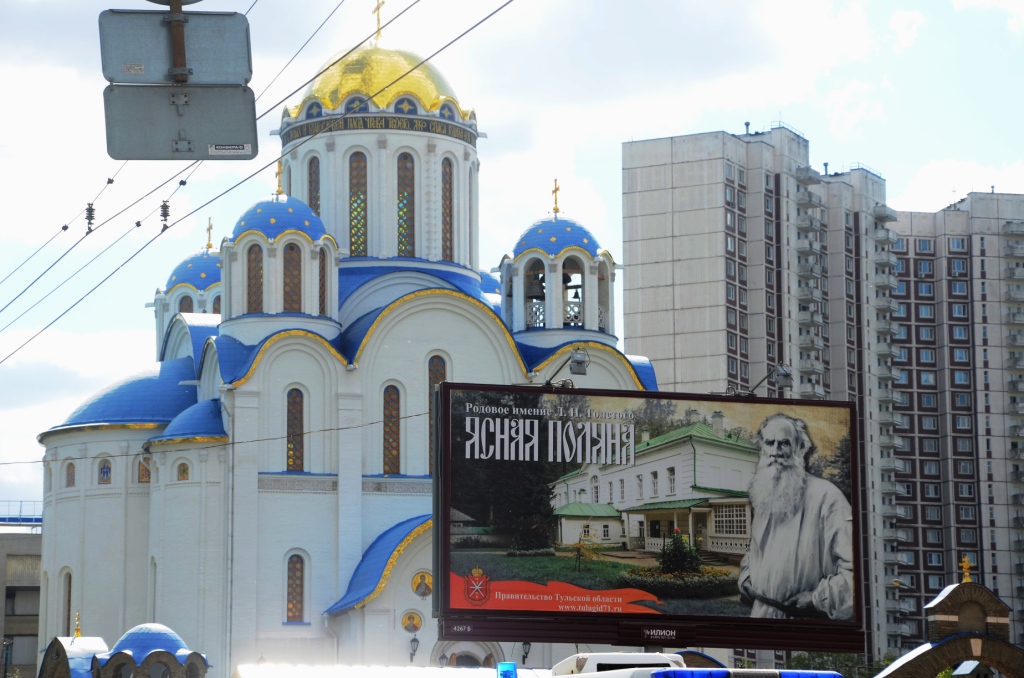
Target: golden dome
<point>371,68</point>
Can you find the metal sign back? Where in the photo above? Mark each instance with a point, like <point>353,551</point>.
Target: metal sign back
<point>135,47</point>
<point>180,122</point>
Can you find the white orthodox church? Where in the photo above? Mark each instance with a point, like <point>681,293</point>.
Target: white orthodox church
<point>266,490</point>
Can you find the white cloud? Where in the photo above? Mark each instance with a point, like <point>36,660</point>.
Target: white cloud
<point>1015,8</point>
<point>850,106</point>
<point>942,182</point>
<point>905,25</point>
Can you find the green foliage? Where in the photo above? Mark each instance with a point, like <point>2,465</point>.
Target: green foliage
<point>678,556</point>
<point>598,574</point>
<point>946,673</point>
<point>833,467</point>
<point>707,582</point>
<point>534,553</point>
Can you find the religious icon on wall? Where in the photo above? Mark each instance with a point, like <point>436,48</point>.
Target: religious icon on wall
<point>412,622</point>
<point>422,584</point>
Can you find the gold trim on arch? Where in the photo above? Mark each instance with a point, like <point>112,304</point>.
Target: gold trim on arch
<point>186,284</point>
<point>187,439</point>
<point>325,236</point>
<point>589,345</point>
<point>277,337</point>
<point>386,574</point>
<point>451,293</point>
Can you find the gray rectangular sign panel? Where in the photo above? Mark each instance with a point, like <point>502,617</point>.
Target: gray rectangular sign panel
<point>164,122</point>
<point>135,47</point>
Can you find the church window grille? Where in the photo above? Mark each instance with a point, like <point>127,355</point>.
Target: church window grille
<point>357,204</point>
<point>254,280</point>
<point>216,304</point>
<point>406,205</point>
<point>296,423</point>
<point>69,475</point>
<point>323,282</point>
<point>314,185</point>
<point>104,473</point>
<point>447,211</point>
<point>296,588</point>
<point>292,278</point>
<point>182,472</point>
<point>437,372</point>
<point>392,431</point>
<point>185,304</point>
<point>143,472</point>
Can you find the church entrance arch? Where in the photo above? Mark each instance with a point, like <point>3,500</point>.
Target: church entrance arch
<point>994,653</point>
<point>464,653</point>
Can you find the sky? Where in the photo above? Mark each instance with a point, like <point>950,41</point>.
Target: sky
<point>928,94</point>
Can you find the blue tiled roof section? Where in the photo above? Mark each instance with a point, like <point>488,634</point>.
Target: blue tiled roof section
<point>351,278</point>
<point>201,271</point>
<point>352,336</point>
<point>201,326</point>
<point>553,235</point>
<point>202,419</point>
<point>644,371</point>
<point>234,358</point>
<point>371,567</point>
<point>489,283</point>
<point>198,334</point>
<point>153,397</point>
<point>80,652</point>
<point>279,213</point>
<point>145,639</point>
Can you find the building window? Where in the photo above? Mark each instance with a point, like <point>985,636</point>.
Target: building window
<point>959,332</point>
<point>959,310</point>
<point>930,468</point>
<point>104,473</point>
<point>672,480</point>
<point>927,355</point>
<point>185,304</point>
<point>406,205</point>
<point>182,472</point>
<point>968,536</point>
<point>437,372</point>
<point>960,355</point>
<point>927,378</point>
<point>313,184</point>
<point>958,244</point>
<point>730,519</point>
<point>605,531</point>
<point>447,211</point>
<point>933,558</point>
<point>966,513</point>
<point>254,280</point>
<point>69,474</point>
<point>216,304</point>
<point>926,311</point>
<point>932,513</point>
<point>926,334</point>
<point>924,245</point>
<point>965,467</point>
<point>935,581</point>
<point>769,205</point>
<point>640,487</point>
<point>322,281</point>
<point>292,278</point>
<point>965,489</point>
<point>654,483</point>
<point>961,377</point>
<point>296,588</point>
<point>357,215</point>
<point>933,536</point>
<point>925,289</point>
<point>929,423</point>
<point>622,489</point>
<point>924,268</point>
<point>296,425</point>
<point>143,472</point>
<point>595,490</point>
<point>959,287</point>
<point>958,266</point>
<point>392,431</point>
<point>931,490</point>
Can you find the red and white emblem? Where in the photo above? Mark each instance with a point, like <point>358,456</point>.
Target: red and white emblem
<point>478,587</point>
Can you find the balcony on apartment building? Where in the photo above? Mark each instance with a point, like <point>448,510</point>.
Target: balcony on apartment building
<point>807,270</point>
<point>807,224</point>
<point>887,418</point>
<point>1014,249</point>
<point>885,305</point>
<point>886,373</point>
<point>1015,317</point>
<point>894,465</point>
<point>883,213</point>
<point>1014,363</point>
<point>809,318</point>
<point>900,534</point>
<point>808,295</point>
<point>807,247</point>
<point>811,366</point>
<point>1017,545</point>
<point>1017,476</point>
<point>1013,228</point>
<point>1018,568</point>
<point>1015,385</point>
<point>1017,499</point>
<point>1014,295</point>
<point>808,200</point>
<point>811,391</point>
<point>888,396</point>
<point>1013,273</point>
<point>1017,453</point>
<point>889,442</point>
<point>897,629</point>
<point>1015,408</point>
<point>807,175</point>
<point>894,489</point>
<point>887,327</point>
<point>885,281</point>
<point>811,342</point>
<point>1017,521</point>
<point>885,350</point>
<point>884,236</point>
<point>1015,339</point>
<point>885,259</point>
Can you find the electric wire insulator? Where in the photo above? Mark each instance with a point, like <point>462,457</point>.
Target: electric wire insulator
<point>110,180</point>
<point>90,214</point>
<point>165,211</point>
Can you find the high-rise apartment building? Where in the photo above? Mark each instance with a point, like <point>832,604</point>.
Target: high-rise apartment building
<point>742,264</point>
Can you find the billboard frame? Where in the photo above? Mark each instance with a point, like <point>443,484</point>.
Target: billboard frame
<point>633,629</point>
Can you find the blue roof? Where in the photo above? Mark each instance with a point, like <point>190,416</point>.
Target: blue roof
<point>201,270</point>
<point>153,397</point>
<point>145,639</point>
<point>644,371</point>
<point>79,652</point>
<point>201,420</point>
<point>371,567</point>
<point>201,326</point>
<point>234,358</point>
<point>554,235</point>
<point>279,213</point>
<point>351,278</point>
<point>489,283</point>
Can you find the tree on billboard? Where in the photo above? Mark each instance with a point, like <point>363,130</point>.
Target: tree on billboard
<point>834,468</point>
<point>657,417</point>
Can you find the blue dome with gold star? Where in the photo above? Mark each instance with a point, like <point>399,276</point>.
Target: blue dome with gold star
<point>201,271</point>
<point>277,215</point>
<point>554,235</point>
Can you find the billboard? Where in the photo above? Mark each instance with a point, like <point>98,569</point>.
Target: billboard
<point>646,519</point>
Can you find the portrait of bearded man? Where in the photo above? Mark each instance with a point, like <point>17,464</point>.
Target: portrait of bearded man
<point>800,563</point>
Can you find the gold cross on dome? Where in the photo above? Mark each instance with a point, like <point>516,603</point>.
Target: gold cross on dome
<point>78,626</point>
<point>278,173</point>
<point>209,234</point>
<point>965,565</point>
<point>376,10</point>
<point>555,193</point>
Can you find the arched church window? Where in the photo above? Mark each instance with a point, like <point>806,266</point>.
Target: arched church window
<point>392,430</point>
<point>295,426</point>
<point>216,304</point>
<point>296,588</point>
<point>104,473</point>
<point>572,292</point>
<point>68,628</point>
<point>143,472</point>
<point>292,278</point>
<point>254,280</point>
<point>437,372</point>
<point>182,471</point>
<point>447,211</point>
<point>406,205</point>
<point>185,304</point>
<point>323,281</point>
<point>357,204</point>
<point>313,177</point>
<point>69,474</point>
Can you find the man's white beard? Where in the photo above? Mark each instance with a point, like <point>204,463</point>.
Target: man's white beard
<point>778,490</point>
